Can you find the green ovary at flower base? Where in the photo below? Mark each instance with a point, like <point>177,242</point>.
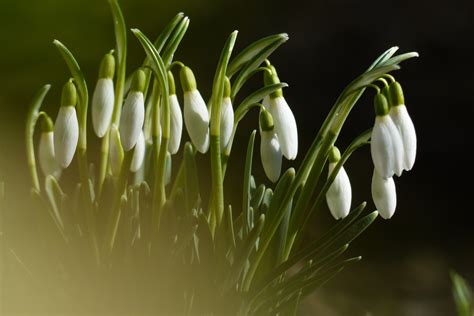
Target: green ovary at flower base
<point>142,216</point>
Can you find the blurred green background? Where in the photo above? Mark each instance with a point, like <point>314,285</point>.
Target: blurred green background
<point>406,259</point>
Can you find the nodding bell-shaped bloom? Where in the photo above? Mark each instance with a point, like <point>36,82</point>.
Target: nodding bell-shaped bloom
<point>138,153</point>
<point>47,160</point>
<point>399,114</point>
<point>196,115</point>
<point>133,112</point>
<point>339,194</point>
<point>115,151</point>
<point>386,145</point>
<point>384,195</point>
<point>270,151</point>
<point>176,118</point>
<point>283,118</point>
<point>227,117</point>
<point>103,98</point>
<point>66,128</point>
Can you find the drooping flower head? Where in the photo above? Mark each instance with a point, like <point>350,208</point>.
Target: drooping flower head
<point>386,145</point>
<point>401,118</point>
<point>283,118</point>
<point>339,194</point>
<point>227,116</point>
<point>270,151</point>
<point>66,128</point>
<point>47,159</point>
<point>384,195</point>
<point>196,114</point>
<point>103,98</point>
<point>176,118</point>
<point>133,112</point>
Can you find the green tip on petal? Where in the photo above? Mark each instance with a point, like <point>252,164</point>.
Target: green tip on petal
<point>395,93</point>
<point>188,81</point>
<point>107,66</point>
<point>380,105</point>
<point>266,121</point>
<point>227,88</point>
<point>334,155</point>
<point>171,84</point>
<point>69,95</point>
<point>138,81</point>
<point>47,124</point>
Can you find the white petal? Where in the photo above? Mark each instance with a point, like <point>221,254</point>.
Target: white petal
<point>176,125</point>
<point>196,118</point>
<point>138,153</point>
<point>404,124</point>
<point>102,106</point>
<point>115,151</point>
<point>66,135</point>
<point>227,122</point>
<point>270,154</point>
<point>386,147</point>
<point>47,161</point>
<point>131,121</point>
<point>384,195</point>
<point>339,195</point>
<point>285,127</point>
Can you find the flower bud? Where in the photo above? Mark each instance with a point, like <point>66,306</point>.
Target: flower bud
<point>116,153</point>
<point>176,118</point>
<point>66,128</point>
<point>103,98</point>
<point>138,154</point>
<point>133,112</point>
<point>339,194</point>
<point>384,195</point>
<point>47,160</point>
<point>386,145</point>
<point>401,118</point>
<point>196,115</point>
<point>227,117</point>
<point>270,151</point>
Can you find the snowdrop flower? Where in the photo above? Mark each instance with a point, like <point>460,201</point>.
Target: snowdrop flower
<point>115,151</point>
<point>270,151</point>
<point>384,195</point>
<point>227,117</point>
<point>103,98</point>
<point>386,145</point>
<point>399,114</point>
<point>133,112</point>
<point>66,128</point>
<point>339,194</point>
<point>47,160</point>
<point>196,115</point>
<point>138,153</point>
<point>176,118</point>
<point>283,118</point>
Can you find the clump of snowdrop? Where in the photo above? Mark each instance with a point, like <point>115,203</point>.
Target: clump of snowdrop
<point>103,98</point>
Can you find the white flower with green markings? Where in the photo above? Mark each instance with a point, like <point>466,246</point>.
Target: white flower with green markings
<point>384,195</point>
<point>103,98</point>
<point>339,194</point>
<point>196,114</point>
<point>138,153</point>
<point>47,159</point>
<point>227,117</point>
<point>66,128</point>
<point>270,151</point>
<point>176,118</point>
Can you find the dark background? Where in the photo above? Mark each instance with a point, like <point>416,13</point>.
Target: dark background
<point>407,259</point>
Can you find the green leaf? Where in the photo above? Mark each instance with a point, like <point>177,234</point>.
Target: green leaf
<point>175,41</point>
<point>257,197</point>
<point>462,294</point>
<point>55,196</point>
<point>169,29</point>
<point>255,97</point>
<point>399,58</point>
<point>191,187</point>
<point>252,50</point>
<point>383,57</point>
<point>246,185</point>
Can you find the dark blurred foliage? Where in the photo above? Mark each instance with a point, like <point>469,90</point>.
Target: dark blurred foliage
<point>407,258</point>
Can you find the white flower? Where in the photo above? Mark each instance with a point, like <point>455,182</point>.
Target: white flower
<point>285,125</point>
<point>102,106</point>
<point>66,135</point>
<point>115,150</point>
<point>138,154</point>
<point>270,154</point>
<point>227,122</point>
<point>404,124</point>
<point>131,121</point>
<point>339,194</point>
<point>176,125</point>
<point>196,118</point>
<point>384,195</point>
<point>47,160</point>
